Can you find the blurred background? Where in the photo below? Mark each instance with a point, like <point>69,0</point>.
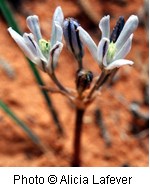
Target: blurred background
<point>115,130</point>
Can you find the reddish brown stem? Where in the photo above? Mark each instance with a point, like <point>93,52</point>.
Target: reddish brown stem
<point>77,137</point>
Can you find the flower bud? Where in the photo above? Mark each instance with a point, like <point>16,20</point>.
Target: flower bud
<point>83,80</point>
<point>72,38</point>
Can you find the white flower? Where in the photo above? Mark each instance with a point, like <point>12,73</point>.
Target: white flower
<point>110,54</point>
<point>41,52</point>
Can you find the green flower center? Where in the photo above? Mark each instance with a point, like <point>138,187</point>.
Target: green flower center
<point>111,52</point>
<point>44,47</point>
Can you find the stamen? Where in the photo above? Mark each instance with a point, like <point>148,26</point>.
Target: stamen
<point>111,51</point>
<point>45,47</point>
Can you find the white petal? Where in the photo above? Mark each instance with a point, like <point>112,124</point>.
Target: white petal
<point>121,54</point>
<point>29,42</point>
<point>54,55</point>
<point>33,25</point>
<point>32,44</point>
<point>129,27</point>
<point>57,34</point>
<point>104,26</point>
<point>23,46</point>
<point>58,16</point>
<point>118,63</point>
<point>102,51</point>
<point>87,40</point>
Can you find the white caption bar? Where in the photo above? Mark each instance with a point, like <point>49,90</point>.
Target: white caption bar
<point>98,179</point>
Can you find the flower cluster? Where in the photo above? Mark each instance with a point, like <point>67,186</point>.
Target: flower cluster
<point>110,53</point>
<point>112,49</point>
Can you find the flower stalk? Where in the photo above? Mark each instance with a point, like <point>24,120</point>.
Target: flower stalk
<point>76,161</point>
<point>57,82</point>
<point>101,80</point>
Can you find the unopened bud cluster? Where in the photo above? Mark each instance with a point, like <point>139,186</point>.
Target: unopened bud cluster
<point>83,80</point>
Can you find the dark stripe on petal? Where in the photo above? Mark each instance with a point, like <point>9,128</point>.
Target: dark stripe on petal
<point>31,41</point>
<point>79,42</point>
<point>52,54</point>
<point>43,66</point>
<point>70,34</point>
<point>104,49</point>
<point>53,50</point>
<point>117,29</point>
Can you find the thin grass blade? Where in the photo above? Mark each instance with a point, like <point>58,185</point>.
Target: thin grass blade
<point>23,126</point>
